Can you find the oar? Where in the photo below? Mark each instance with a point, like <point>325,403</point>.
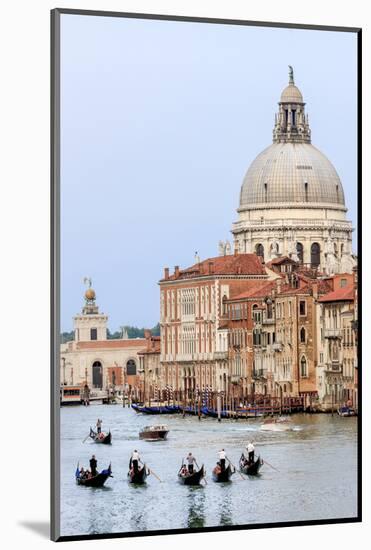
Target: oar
<point>86,438</point>
<point>156,476</point>
<point>266,462</point>
<point>236,469</point>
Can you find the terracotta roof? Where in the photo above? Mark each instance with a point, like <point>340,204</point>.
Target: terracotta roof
<point>281,260</point>
<point>111,344</point>
<point>238,264</point>
<point>255,291</point>
<point>345,294</point>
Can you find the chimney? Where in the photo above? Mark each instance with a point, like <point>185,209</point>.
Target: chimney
<point>211,267</point>
<point>315,290</point>
<point>176,271</point>
<point>166,273</point>
<point>278,285</point>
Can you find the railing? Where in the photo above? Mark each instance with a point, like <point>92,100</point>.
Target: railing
<point>277,346</point>
<point>332,333</point>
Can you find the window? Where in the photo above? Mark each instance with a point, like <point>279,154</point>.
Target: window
<point>97,374</point>
<point>302,335</point>
<point>343,282</point>
<point>315,255</point>
<point>259,250</point>
<point>93,334</point>
<point>300,252</point>
<point>321,357</point>
<point>131,367</point>
<point>303,366</point>
<point>302,307</point>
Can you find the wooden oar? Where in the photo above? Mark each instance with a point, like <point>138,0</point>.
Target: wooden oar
<point>266,462</point>
<point>86,438</point>
<point>235,469</point>
<point>156,476</point>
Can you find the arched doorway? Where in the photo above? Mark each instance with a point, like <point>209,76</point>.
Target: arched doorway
<point>131,367</point>
<point>97,375</point>
<point>315,251</point>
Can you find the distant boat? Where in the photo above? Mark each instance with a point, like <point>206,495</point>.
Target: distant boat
<point>154,433</point>
<point>220,475</point>
<point>250,469</point>
<point>150,410</point>
<point>281,424</point>
<point>191,479</point>
<point>346,411</point>
<point>70,395</point>
<point>100,437</point>
<point>95,481</point>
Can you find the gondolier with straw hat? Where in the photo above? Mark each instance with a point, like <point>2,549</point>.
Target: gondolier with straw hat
<point>222,457</point>
<point>190,460</point>
<point>99,425</point>
<point>93,465</point>
<point>135,458</point>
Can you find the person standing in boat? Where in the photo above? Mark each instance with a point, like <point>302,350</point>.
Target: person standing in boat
<point>135,458</point>
<point>191,460</point>
<point>250,451</point>
<point>222,457</point>
<point>99,425</point>
<point>93,466</point>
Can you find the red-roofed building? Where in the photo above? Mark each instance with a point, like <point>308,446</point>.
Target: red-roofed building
<point>337,377</point>
<point>194,348</point>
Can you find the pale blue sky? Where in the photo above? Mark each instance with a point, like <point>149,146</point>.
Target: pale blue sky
<point>160,121</point>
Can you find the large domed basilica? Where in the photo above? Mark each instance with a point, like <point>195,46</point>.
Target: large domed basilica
<point>292,200</point>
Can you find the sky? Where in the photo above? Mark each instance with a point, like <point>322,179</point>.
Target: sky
<point>160,121</point>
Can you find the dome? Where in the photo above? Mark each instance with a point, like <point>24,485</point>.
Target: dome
<point>90,295</point>
<point>291,174</point>
<point>291,94</point>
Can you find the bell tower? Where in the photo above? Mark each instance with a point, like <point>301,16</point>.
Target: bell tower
<point>90,325</point>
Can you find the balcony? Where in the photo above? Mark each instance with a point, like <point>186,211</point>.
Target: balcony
<point>258,374</point>
<point>332,333</point>
<point>334,366</point>
<point>277,346</point>
<point>235,379</point>
<point>268,321</point>
<point>220,355</point>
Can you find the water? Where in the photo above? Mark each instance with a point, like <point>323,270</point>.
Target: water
<point>317,477</point>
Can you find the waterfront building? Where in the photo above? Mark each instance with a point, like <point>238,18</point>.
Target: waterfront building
<point>337,376</point>
<point>94,360</point>
<point>194,347</point>
<point>292,201</point>
<point>155,384</point>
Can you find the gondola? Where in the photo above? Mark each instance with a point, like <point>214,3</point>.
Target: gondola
<point>213,413</point>
<point>225,475</point>
<point>138,477</point>
<point>96,481</point>
<point>150,410</point>
<point>191,479</point>
<point>250,469</point>
<point>100,437</point>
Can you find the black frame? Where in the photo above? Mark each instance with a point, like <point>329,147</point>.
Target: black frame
<point>55,267</point>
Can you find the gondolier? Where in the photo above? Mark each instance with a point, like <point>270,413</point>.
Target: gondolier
<point>250,451</point>
<point>99,425</point>
<point>190,461</point>
<point>222,457</point>
<point>135,458</point>
<point>93,465</point>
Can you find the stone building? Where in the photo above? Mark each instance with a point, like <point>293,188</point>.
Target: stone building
<point>194,348</point>
<point>337,376</point>
<point>93,359</point>
<point>292,200</point>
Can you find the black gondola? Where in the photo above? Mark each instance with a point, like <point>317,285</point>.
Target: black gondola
<point>191,479</point>
<point>138,477</point>
<point>220,475</point>
<point>250,469</point>
<point>100,437</point>
<point>95,481</point>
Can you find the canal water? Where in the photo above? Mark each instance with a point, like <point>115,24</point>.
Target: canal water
<point>315,476</point>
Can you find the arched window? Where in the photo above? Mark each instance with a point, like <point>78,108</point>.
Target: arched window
<point>315,255</point>
<point>131,367</point>
<point>303,366</point>
<point>97,375</point>
<point>259,250</point>
<point>300,252</point>
<point>302,335</point>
